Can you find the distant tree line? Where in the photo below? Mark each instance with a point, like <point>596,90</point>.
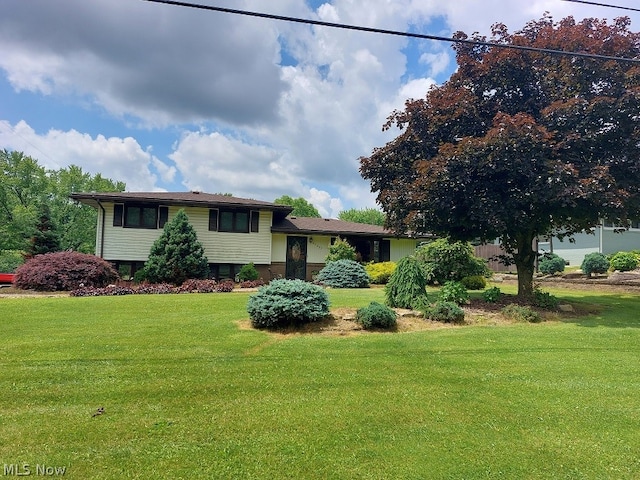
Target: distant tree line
<point>36,213</point>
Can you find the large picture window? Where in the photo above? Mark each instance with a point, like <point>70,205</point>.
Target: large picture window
<point>140,216</point>
<point>235,221</point>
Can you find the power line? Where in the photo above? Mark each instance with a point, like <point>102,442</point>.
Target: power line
<point>598,4</point>
<point>393,32</point>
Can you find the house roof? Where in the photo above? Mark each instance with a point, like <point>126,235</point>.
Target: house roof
<point>197,199</point>
<point>307,225</point>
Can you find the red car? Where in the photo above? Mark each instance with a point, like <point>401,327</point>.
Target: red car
<point>6,278</point>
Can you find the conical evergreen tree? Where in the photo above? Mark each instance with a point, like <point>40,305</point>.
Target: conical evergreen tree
<point>45,239</point>
<point>177,255</point>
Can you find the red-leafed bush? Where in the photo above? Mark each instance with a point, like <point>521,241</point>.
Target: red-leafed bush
<point>190,286</point>
<point>64,271</point>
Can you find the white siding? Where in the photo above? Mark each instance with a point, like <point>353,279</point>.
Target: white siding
<point>318,248</point>
<point>134,244</point>
<point>401,247</point>
<point>278,247</point>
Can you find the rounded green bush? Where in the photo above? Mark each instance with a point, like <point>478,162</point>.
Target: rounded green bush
<point>248,272</point>
<point>444,260</point>
<point>376,315</point>
<point>380,272</point>
<point>286,302</point>
<point>447,312</point>
<point>343,274</point>
<point>454,292</point>
<point>551,263</point>
<point>594,263</point>
<point>491,295</point>
<point>407,285</point>
<point>624,261</point>
<point>474,282</point>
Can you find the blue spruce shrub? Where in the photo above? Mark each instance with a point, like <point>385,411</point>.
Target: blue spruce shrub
<point>594,263</point>
<point>376,315</point>
<point>551,263</point>
<point>343,274</point>
<point>287,302</point>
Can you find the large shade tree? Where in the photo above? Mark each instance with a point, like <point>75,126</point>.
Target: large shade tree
<point>519,144</point>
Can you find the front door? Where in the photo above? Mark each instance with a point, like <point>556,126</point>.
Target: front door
<point>296,266</point>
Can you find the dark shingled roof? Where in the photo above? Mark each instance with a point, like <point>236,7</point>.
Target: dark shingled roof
<point>195,199</point>
<point>307,225</point>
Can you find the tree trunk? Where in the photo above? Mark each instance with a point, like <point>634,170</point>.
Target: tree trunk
<point>524,260</point>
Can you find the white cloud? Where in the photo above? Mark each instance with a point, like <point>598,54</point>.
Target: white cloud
<point>251,126</point>
<point>120,159</point>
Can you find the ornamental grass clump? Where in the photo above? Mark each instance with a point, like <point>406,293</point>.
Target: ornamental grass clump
<point>376,315</point>
<point>343,274</point>
<point>285,302</point>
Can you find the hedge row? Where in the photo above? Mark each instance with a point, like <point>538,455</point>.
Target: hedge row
<point>189,286</point>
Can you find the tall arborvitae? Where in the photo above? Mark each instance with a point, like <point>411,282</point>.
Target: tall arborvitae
<point>177,255</point>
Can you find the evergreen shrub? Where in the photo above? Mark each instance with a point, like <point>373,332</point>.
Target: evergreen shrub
<point>454,292</point>
<point>380,272</point>
<point>407,285</point>
<point>594,263</point>
<point>61,271</point>
<point>248,272</point>
<point>446,312</point>
<point>624,261</point>
<point>474,282</point>
<point>177,254</point>
<point>341,250</point>
<point>550,263</point>
<point>286,302</point>
<point>444,260</point>
<point>521,314</point>
<point>376,315</point>
<point>343,274</point>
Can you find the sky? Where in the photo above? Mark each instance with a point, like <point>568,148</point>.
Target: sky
<point>168,98</point>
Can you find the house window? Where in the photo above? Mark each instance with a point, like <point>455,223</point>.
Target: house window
<point>118,213</point>
<point>213,220</point>
<point>140,216</point>
<point>234,221</point>
<point>223,271</point>
<point>163,216</point>
<point>255,220</point>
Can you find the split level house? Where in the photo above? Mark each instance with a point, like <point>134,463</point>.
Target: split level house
<point>234,232</point>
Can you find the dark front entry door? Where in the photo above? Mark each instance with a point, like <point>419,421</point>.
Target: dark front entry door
<point>296,266</point>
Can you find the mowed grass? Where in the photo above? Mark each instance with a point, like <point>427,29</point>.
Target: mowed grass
<point>188,394</point>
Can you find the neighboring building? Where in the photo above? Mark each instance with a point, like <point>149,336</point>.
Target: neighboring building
<point>607,238</point>
<point>233,231</point>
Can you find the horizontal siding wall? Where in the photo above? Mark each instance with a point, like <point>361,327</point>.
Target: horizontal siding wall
<point>401,247</point>
<point>133,244</point>
<point>128,244</point>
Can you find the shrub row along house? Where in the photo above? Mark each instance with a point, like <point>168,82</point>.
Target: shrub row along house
<point>234,232</point>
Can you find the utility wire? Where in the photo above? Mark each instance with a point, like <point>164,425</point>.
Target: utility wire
<point>394,32</point>
<point>598,4</point>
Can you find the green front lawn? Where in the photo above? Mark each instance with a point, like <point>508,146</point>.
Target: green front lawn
<point>188,394</point>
